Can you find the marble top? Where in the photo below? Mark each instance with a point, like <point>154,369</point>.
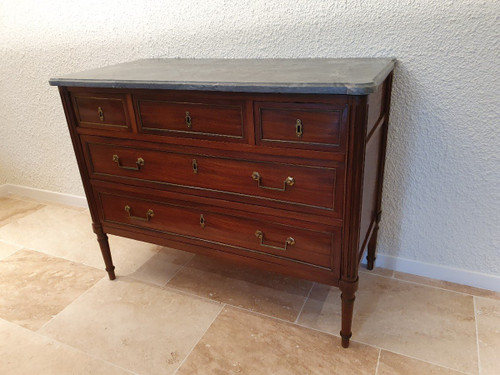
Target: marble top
<point>353,76</point>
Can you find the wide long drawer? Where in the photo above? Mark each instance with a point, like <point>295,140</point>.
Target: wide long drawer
<point>288,186</point>
<point>247,234</point>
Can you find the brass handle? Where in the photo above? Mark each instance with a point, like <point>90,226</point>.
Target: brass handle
<point>100,112</point>
<point>202,221</point>
<point>194,164</point>
<point>290,181</point>
<point>188,120</point>
<point>289,241</point>
<point>139,163</point>
<point>149,214</point>
<point>299,128</point>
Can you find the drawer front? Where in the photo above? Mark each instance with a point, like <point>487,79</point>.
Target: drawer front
<point>247,234</point>
<point>212,119</point>
<point>101,111</point>
<point>287,186</point>
<point>301,125</point>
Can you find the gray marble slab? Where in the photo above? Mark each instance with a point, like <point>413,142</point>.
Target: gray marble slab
<point>356,76</point>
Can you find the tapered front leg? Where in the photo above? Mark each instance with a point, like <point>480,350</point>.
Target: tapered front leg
<point>102,238</point>
<point>348,296</point>
<point>372,247</point>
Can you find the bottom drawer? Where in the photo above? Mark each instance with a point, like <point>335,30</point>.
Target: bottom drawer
<point>257,236</point>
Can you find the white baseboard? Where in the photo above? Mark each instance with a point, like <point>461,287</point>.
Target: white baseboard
<point>434,271</point>
<point>43,195</point>
<point>439,272</point>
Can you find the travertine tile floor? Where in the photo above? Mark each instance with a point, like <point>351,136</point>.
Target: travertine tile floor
<point>170,312</point>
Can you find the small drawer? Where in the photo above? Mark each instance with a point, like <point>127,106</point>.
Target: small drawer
<point>312,126</point>
<point>244,233</point>
<point>279,185</point>
<point>211,119</point>
<point>101,111</point>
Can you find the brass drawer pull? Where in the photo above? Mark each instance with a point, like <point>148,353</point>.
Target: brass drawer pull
<point>290,181</point>
<point>289,241</point>
<point>139,163</point>
<point>100,112</point>
<point>149,214</point>
<point>299,128</point>
<point>188,120</point>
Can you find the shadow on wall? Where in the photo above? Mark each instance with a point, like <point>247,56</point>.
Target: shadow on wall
<point>401,138</point>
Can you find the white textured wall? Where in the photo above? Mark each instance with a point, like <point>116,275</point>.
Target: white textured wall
<point>442,197</point>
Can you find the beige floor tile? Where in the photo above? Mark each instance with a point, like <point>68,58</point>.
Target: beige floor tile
<point>46,202</point>
<point>377,271</point>
<point>68,234</point>
<point>50,228</point>
<point>430,324</point>
<point>322,310</point>
<point>13,209</point>
<point>35,286</point>
<point>24,352</point>
<point>395,364</point>
<point>128,255</point>
<point>7,249</point>
<point>260,291</point>
<point>142,328</point>
<point>448,285</point>
<point>162,267</point>
<point>239,342</point>
<point>488,328</point>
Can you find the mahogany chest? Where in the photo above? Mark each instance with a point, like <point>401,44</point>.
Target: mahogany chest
<point>277,164</point>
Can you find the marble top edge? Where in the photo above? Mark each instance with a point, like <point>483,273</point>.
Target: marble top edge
<point>355,76</point>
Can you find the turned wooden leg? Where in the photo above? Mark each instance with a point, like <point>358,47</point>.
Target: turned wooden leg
<point>102,238</point>
<point>372,247</point>
<point>348,290</point>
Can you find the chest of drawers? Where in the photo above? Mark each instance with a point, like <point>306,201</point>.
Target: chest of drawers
<point>277,164</point>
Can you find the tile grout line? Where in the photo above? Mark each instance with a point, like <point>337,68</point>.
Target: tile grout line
<point>61,257</point>
<point>12,243</point>
<point>304,304</point>
<point>71,347</point>
<point>171,289</point>
<point>76,212</point>
<point>68,305</point>
<point>180,269</point>
<point>24,198</point>
<point>11,254</point>
<point>477,337</point>
<point>254,312</point>
<point>22,247</point>
<point>24,215</point>
<point>419,359</point>
<point>316,329</point>
<point>244,309</point>
<point>167,287</point>
<point>443,288</point>
<point>196,343</point>
<point>433,286</point>
<point>281,320</point>
<point>352,340</point>
<point>378,361</point>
